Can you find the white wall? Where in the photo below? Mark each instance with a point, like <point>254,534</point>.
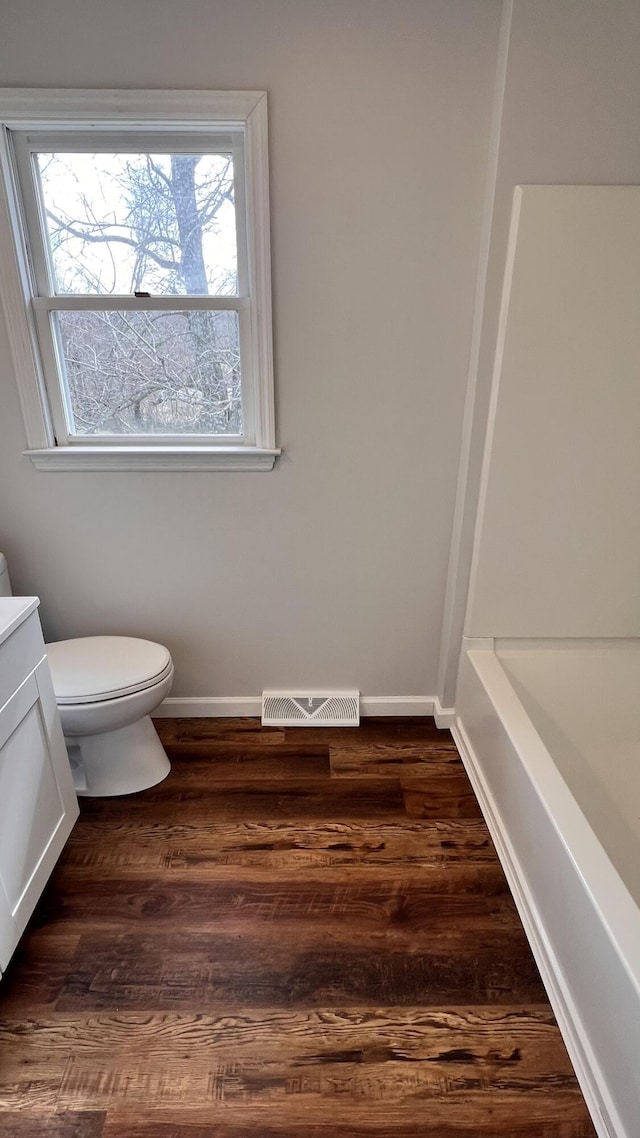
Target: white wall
<point>569,114</point>
<point>330,569</point>
<point>557,550</point>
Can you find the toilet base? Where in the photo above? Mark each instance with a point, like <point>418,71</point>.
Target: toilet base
<point>123,761</point>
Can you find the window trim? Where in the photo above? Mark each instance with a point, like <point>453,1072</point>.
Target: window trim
<point>161,111</point>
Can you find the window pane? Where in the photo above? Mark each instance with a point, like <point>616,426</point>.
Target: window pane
<point>155,373</point>
<point>123,223</point>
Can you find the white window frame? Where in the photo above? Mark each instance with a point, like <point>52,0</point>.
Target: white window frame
<point>147,112</point>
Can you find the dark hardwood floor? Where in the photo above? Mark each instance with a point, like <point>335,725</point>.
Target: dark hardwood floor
<point>301,932</point>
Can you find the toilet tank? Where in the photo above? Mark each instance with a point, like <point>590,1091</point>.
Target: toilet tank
<point>5,583</point>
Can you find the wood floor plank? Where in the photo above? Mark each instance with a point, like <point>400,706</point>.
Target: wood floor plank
<point>306,799</point>
<point>207,1123</point>
<point>393,759</point>
<point>345,1096</point>
<point>355,1034</point>
<point>447,796</point>
<point>129,848</point>
<point>237,730</point>
<point>301,932</point>
<point>331,888</point>
<point>382,1058</point>
<point>372,730</point>
<point>38,971</point>
<point>205,971</point>
<point>207,765</point>
<point>362,899</point>
<point>96,1053</point>
<point>55,1124</point>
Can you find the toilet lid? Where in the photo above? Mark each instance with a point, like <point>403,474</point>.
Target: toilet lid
<point>94,668</point>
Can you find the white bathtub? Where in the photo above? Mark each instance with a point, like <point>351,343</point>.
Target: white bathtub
<point>550,734</point>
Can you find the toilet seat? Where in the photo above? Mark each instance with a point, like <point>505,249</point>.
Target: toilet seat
<point>95,669</point>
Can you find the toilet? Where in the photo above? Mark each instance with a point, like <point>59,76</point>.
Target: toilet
<point>106,689</point>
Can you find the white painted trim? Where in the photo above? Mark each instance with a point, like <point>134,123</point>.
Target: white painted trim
<point>28,107</point>
<point>445,717</point>
<point>259,267</point>
<point>153,458</point>
<point>215,707</point>
<point>400,705</point>
<point>466,493</point>
<point>479,644</point>
<point>582,1057</point>
<point>512,246</point>
<point>34,108</point>
<point>209,707</point>
<point>47,304</point>
<point>14,292</point>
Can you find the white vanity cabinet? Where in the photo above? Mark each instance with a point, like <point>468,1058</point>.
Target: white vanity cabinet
<point>38,805</point>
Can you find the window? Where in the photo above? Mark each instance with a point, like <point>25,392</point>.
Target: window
<point>137,283</point>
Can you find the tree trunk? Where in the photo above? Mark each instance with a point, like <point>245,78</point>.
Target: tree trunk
<point>183,189</point>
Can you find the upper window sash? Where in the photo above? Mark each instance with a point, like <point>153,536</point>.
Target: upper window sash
<point>154,122</point>
<point>28,146</point>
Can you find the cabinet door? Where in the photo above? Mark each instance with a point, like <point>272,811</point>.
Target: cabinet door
<point>38,805</point>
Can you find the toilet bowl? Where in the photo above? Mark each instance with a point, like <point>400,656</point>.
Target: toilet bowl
<point>106,688</point>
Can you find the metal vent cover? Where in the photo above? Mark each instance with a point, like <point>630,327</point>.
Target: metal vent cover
<point>299,709</point>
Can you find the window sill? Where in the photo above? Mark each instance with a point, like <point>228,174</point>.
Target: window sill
<point>153,458</point>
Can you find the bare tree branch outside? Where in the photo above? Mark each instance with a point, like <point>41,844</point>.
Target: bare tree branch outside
<point>160,224</point>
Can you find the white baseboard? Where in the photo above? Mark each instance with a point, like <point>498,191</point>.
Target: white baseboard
<point>209,707</point>
<point>396,705</point>
<point>444,716</point>
<point>215,707</point>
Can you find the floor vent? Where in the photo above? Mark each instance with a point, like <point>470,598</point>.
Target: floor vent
<point>327,709</point>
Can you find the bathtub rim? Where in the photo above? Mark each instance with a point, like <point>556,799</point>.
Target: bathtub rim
<point>608,892</point>
<point>607,896</point>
